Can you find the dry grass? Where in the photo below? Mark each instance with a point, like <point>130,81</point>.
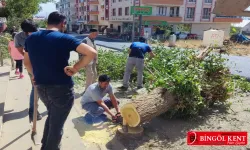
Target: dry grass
<point>233,49</point>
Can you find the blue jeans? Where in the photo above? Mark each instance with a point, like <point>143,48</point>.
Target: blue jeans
<point>59,100</point>
<point>95,109</point>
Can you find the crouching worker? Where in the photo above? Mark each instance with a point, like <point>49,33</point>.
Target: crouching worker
<point>95,102</point>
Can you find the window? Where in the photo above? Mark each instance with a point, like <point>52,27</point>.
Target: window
<point>206,13</point>
<point>114,12</point>
<point>114,1</point>
<point>126,11</point>
<point>171,11</point>
<point>190,12</point>
<point>119,11</point>
<point>208,1</point>
<point>193,1</point>
<point>177,11</point>
<point>162,11</point>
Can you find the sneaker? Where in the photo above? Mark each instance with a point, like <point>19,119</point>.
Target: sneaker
<point>104,117</point>
<point>21,76</point>
<point>17,72</point>
<point>123,88</point>
<point>39,116</point>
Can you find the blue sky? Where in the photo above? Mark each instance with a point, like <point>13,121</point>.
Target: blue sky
<point>47,9</point>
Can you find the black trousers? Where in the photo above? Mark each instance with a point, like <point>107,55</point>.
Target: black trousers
<point>19,65</point>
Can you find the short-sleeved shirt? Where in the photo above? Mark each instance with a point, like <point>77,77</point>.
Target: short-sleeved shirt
<point>49,52</point>
<point>139,49</point>
<point>19,39</point>
<point>95,93</point>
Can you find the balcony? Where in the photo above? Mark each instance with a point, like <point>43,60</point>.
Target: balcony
<point>163,2</point>
<point>93,22</point>
<point>94,12</point>
<point>231,19</point>
<point>162,18</point>
<point>93,2</point>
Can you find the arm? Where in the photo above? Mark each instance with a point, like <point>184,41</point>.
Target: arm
<point>114,102</point>
<point>9,49</point>
<point>89,54</point>
<point>21,51</point>
<point>27,63</point>
<point>101,103</point>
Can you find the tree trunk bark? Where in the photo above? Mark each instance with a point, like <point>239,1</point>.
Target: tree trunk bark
<point>147,106</point>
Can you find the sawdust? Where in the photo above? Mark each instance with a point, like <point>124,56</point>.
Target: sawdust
<point>100,133</point>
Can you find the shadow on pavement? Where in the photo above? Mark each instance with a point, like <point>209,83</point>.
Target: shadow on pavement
<point>15,115</point>
<point>13,141</point>
<point>44,113</point>
<point>4,74</point>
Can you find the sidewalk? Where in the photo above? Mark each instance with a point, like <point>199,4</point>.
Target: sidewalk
<point>16,133</point>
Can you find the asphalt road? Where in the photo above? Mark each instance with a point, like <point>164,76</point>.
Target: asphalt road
<point>238,65</point>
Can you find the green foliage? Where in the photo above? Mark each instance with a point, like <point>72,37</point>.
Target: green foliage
<point>42,23</point>
<point>196,84</point>
<point>114,64</point>
<point>4,41</point>
<point>18,10</point>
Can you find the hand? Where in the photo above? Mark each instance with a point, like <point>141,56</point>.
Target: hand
<point>114,119</point>
<point>118,114</point>
<point>70,70</point>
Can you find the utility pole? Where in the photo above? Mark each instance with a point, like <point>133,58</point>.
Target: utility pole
<point>133,27</point>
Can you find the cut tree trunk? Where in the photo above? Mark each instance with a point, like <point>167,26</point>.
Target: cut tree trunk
<point>147,106</point>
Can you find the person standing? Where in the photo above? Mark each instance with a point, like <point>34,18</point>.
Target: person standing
<point>91,71</point>
<point>136,59</point>
<point>46,57</point>
<point>17,56</point>
<point>28,27</point>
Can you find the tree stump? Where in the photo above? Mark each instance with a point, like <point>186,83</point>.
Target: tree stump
<point>147,106</point>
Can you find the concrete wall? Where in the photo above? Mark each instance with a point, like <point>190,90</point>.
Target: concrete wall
<point>199,28</point>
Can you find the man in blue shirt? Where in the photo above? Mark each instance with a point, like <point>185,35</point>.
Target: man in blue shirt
<point>136,59</point>
<point>46,59</point>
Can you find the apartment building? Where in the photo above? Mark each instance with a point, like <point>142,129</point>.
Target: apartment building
<point>66,7</point>
<point>93,14</point>
<point>119,16</point>
<point>196,13</point>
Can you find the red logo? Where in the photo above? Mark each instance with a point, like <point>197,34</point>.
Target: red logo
<point>216,138</point>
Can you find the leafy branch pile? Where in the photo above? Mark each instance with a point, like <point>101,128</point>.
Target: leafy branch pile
<point>4,41</point>
<point>197,84</point>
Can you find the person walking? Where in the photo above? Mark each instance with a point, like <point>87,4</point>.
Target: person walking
<point>91,71</point>
<point>136,59</point>
<point>46,58</point>
<point>28,27</point>
<point>17,56</point>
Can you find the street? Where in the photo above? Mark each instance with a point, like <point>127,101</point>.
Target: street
<point>239,65</point>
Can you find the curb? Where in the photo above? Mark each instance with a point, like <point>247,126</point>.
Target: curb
<point>4,84</point>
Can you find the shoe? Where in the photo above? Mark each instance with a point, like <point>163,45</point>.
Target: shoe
<point>39,116</point>
<point>103,117</point>
<point>17,72</point>
<point>21,76</point>
<point>123,88</point>
<point>88,119</point>
<point>139,87</point>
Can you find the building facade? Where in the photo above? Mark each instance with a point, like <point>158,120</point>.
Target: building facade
<point>196,13</point>
<point>116,14</point>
